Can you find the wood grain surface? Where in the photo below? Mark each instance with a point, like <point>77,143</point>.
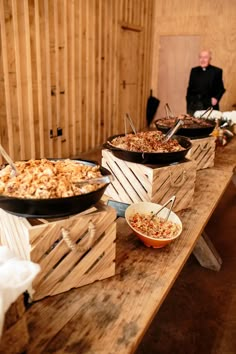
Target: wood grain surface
<point>60,68</point>
<point>111,316</point>
<point>214,23</point>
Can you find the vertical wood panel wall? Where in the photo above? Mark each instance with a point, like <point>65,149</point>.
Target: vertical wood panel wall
<point>59,68</point>
<point>214,21</point>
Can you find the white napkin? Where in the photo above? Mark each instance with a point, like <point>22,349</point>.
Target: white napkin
<point>214,114</point>
<point>231,116</point>
<point>16,275</point>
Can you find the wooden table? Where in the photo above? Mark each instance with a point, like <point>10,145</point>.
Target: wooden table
<point>111,316</point>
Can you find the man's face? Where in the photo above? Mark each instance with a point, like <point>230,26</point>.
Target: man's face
<point>204,59</point>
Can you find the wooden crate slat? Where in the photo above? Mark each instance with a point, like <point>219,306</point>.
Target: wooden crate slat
<point>184,196</point>
<point>74,273</point>
<point>115,185</point>
<point>104,268</point>
<point>165,181</point>
<point>207,159</point>
<point>79,271</point>
<point>46,238</point>
<point>115,189</point>
<point>53,273</point>
<point>203,152</point>
<point>11,224</point>
<point>161,183</point>
<point>123,180</point>
<point>199,152</point>
<point>48,262</point>
<point>49,235</point>
<point>159,191</point>
<point>143,175</point>
<point>184,192</point>
<point>135,184</point>
<point>135,187</point>
<point>42,241</point>
<point>55,255</point>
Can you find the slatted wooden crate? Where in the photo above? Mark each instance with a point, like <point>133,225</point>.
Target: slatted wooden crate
<point>72,251</point>
<point>203,152</point>
<point>137,182</point>
<point>15,336</point>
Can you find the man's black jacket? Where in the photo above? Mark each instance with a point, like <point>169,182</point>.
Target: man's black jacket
<point>203,85</point>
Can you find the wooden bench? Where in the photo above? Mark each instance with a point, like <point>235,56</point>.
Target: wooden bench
<point>111,316</point>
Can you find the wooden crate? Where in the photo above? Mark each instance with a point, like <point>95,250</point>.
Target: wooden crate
<point>136,182</point>
<point>15,336</point>
<point>72,251</point>
<point>203,152</point>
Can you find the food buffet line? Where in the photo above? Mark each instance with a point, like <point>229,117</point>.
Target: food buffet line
<point>56,213</point>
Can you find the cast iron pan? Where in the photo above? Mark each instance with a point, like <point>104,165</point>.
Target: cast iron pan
<point>198,132</point>
<point>152,158</point>
<point>56,207</point>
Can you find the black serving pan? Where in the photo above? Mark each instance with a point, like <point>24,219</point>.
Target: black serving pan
<point>198,132</point>
<point>55,207</point>
<point>152,158</point>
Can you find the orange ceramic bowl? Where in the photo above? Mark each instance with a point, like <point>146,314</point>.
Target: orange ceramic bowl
<point>148,208</point>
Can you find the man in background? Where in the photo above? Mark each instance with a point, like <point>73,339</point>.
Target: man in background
<point>206,85</point>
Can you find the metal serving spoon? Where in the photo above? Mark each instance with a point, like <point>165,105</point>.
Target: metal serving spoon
<point>169,113</point>
<point>131,123</point>
<point>8,159</point>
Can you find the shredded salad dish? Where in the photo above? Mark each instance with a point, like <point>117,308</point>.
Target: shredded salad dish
<point>154,226</point>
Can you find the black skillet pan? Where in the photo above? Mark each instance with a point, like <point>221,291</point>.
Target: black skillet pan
<point>191,132</point>
<point>55,207</point>
<point>152,158</point>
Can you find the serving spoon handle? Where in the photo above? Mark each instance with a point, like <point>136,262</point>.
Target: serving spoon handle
<point>173,130</point>
<point>8,159</point>
<point>171,200</point>
<point>103,179</point>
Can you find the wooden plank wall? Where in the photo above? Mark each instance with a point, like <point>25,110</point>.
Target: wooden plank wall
<point>214,21</point>
<point>59,68</point>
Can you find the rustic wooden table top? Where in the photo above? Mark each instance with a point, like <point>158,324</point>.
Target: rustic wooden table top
<point>111,316</point>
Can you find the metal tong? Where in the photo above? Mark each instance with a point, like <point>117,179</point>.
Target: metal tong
<point>103,179</point>
<point>173,130</point>
<point>168,111</point>
<point>8,159</point>
<point>207,110</point>
<point>171,200</point>
<point>127,116</point>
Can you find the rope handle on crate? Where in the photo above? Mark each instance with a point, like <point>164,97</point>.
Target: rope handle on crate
<point>73,246</point>
<point>180,183</point>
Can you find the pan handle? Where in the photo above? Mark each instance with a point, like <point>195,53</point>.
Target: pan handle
<point>180,183</point>
<point>73,246</point>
